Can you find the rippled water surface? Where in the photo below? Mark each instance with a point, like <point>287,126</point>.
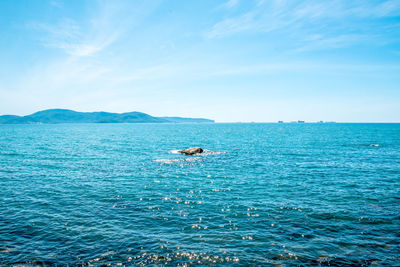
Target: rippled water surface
<point>262,194</point>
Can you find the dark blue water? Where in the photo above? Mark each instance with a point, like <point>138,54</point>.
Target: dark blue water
<point>262,194</point>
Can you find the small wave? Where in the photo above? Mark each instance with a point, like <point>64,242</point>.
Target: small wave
<point>376,145</point>
<point>207,152</point>
<point>171,161</point>
<point>197,157</point>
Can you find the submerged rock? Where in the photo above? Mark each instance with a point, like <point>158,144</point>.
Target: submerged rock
<point>191,151</point>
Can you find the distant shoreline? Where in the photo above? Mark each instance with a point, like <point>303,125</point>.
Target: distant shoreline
<point>203,123</point>
<point>58,116</point>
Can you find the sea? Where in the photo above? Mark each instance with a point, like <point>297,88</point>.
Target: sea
<point>312,194</point>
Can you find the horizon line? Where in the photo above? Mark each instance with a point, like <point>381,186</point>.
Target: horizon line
<point>244,122</point>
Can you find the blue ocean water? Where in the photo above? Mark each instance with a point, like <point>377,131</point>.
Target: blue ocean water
<point>262,194</point>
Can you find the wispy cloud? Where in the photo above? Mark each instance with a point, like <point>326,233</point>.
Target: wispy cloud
<point>87,47</point>
<point>77,39</point>
<point>338,23</point>
<point>389,8</point>
<point>56,3</point>
<point>321,42</point>
<point>103,26</point>
<point>230,4</point>
<point>233,25</point>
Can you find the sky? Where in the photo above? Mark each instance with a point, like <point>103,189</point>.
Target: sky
<point>231,61</point>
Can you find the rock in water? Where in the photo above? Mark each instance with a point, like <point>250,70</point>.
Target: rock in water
<point>191,151</point>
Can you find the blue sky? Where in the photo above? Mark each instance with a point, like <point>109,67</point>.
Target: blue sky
<point>236,60</point>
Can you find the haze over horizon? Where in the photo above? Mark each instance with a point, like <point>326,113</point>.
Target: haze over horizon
<point>229,61</point>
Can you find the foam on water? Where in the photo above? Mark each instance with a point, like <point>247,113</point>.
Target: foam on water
<point>171,161</point>
<point>185,158</point>
<point>206,152</point>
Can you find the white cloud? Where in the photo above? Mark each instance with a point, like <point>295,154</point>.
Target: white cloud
<point>232,25</point>
<point>338,23</point>
<point>231,3</point>
<point>87,65</point>
<point>76,39</point>
<point>56,3</point>
<point>321,42</point>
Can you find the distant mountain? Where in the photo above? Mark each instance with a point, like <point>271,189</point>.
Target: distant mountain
<point>70,116</point>
<point>187,120</point>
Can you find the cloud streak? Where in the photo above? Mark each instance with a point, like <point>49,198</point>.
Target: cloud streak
<point>338,23</point>
<point>78,39</point>
<point>85,64</point>
<point>230,4</point>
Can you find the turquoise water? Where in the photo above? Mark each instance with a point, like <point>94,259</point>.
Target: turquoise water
<point>262,194</point>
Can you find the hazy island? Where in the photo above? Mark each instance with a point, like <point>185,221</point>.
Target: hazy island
<point>53,116</point>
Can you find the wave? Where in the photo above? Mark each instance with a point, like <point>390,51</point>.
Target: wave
<point>206,152</point>
<point>171,161</point>
<point>197,157</point>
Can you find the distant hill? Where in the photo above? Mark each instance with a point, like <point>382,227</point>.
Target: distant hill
<point>187,120</point>
<point>70,116</point>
